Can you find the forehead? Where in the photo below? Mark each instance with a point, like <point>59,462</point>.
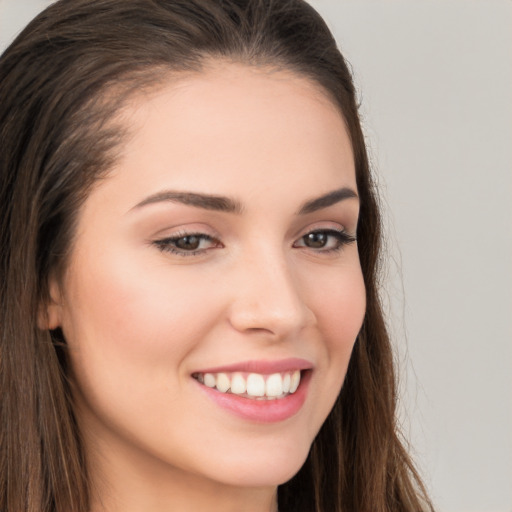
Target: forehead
<point>233,130</point>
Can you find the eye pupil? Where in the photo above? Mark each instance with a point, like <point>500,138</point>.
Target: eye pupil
<point>188,243</point>
<point>316,240</point>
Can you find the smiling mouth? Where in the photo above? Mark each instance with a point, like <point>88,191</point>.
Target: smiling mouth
<point>254,386</point>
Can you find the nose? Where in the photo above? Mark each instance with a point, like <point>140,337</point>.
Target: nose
<point>268,297</point>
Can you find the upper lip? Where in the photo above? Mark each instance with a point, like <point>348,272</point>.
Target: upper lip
<point>261,366</point>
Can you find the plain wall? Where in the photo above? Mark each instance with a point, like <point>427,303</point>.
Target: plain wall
<point>435,81</point>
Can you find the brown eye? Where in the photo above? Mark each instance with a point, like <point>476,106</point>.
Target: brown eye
<point>325,240</point>
<point>188,243</point>
<point>316,239</point>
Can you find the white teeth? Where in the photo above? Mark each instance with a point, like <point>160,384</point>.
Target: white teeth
<point>209,380</point>
<point>253,385</point>
<point>295,380</point>
<point>223,382</point>
<point>274,385</point>
<point>238,384</point>
<point>286,383</point>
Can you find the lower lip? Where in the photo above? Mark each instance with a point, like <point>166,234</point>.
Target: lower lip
<point>263,411</point>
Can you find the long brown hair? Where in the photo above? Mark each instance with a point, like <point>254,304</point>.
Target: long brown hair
<point>61,83</point>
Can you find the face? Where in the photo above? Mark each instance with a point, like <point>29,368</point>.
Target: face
<point>211,270</point>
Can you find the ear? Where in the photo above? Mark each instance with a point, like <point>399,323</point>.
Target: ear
<point>50,313</point>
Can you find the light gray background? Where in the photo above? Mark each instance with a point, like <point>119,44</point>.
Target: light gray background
<point>435,80</point>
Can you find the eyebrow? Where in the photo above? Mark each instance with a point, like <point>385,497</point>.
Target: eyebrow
<point>327,200</point>
<point>205,201</point>
<point>228,205</point>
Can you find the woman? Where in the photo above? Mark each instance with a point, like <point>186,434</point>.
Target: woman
<point>190,244</point>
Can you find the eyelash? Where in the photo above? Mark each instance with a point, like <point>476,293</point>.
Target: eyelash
<point>169,244</point>
<point>341,236</point>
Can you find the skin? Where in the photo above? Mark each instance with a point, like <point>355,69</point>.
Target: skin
<point>139,320</point>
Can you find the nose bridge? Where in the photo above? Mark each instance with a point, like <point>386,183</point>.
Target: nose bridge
<point>268,295</point>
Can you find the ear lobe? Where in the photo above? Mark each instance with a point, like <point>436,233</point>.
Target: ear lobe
<point>49,316</point>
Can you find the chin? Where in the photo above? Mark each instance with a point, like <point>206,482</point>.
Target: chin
<point>263,469</point>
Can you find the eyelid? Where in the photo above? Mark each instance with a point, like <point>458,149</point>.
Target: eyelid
<point>184,229</point>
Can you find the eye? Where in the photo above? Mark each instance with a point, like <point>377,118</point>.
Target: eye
<point>325,240</point>
<point>187,244</point>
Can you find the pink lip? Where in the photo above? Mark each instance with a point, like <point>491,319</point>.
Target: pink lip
<point>264,367</point>
<point>261,411</point>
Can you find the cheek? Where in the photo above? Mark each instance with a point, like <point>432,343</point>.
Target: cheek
<point>130,326</point>
<point>340,308</point>
<point>126,316</point>
<point>339,304</point>
<point>343,309</point>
